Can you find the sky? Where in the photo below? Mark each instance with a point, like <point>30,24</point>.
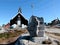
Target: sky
<point>48,9</point>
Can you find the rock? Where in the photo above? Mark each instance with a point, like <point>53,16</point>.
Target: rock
<point>28,40</point>
<point>36,26</point>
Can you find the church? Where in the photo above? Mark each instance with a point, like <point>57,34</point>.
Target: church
<point>19,20</point>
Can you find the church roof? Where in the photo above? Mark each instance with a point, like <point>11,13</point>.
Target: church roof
<point>19,15</point>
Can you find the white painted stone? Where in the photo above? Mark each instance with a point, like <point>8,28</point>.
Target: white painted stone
<point>24,26</point>
<point>14,25</point>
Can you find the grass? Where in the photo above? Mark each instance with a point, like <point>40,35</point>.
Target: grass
<point>11,34</point>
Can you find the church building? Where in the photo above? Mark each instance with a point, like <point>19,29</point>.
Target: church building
<point>19,20</point>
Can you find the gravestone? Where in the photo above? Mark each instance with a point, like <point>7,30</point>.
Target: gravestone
<point>36,26</point>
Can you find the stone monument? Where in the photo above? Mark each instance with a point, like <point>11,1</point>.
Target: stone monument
<point>36,29</point>
<point>36,26</point>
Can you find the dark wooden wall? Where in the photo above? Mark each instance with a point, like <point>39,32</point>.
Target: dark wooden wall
<point>22,19</point>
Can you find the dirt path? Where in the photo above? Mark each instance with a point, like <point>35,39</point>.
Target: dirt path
<point>54,38</point>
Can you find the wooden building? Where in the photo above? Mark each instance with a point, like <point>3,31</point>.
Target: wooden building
<point>18,19</point>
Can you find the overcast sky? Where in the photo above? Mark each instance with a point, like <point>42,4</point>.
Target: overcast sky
<point>48,9</point>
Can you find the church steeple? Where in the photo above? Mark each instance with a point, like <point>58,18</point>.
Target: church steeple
<point>19,10</point>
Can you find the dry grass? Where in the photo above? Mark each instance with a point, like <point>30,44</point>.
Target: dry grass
<point>57,34</point>
<point>9,36</point>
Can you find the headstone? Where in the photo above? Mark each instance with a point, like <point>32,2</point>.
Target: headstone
<point>36,26</point>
